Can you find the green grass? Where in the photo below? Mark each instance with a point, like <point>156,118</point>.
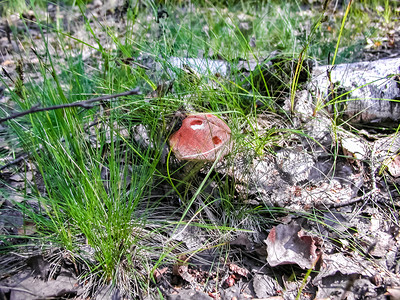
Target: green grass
<point>97,182</point>
<point>101,189</point>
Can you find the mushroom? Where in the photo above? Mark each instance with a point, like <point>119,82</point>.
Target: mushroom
<point>202,137</point>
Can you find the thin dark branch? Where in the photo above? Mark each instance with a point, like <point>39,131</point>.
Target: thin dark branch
<point>15,161</point>
<point>355,200</point>
<point>84,104</point>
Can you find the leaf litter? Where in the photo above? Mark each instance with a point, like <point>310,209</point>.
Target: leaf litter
<point>353,250</point>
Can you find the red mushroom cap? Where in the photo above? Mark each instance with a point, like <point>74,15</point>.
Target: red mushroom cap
<point>202,137</point>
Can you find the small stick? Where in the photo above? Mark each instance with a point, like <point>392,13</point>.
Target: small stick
<point>84,104</point>
<point>354,200</point>
<point>36,108</point>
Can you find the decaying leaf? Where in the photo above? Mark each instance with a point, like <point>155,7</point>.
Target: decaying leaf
<point>340,263</point>
<point>287,244</point>
<point>181,269</point>
<point>182,260</point>
<point>354,146</point>
<point>183,272</point>
<point>265,286</point>
<point>26,285</point>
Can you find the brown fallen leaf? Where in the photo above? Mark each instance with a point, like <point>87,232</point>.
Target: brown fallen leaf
<point>158,273</point>
<point>394,166</point>
<point>182,260</point>
<point>183,271</point>
<point>28,228</point>
<point>288,244</point>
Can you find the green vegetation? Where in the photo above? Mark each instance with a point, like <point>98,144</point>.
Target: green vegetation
<point>107,189</point>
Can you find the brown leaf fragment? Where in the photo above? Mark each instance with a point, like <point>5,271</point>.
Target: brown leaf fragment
<point>26,285</point>
<point>158,273</point>
<point>288,244</point>
<point>183,271</point>
<point>394,166</point>
<point>28,228</point>
<point>181,261</point>
<point>238,270</point>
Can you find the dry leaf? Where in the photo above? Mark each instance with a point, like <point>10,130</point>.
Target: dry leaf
<point>287,244</point>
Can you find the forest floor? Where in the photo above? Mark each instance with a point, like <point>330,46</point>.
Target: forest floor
<point>293,212</point>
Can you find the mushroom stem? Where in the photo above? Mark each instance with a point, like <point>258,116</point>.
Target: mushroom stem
<point>189,170</point>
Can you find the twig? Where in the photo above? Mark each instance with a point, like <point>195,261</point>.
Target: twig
<point>15,161</point>
<point>35,109</point>
<point>84,104</point>
<point>354,200</point>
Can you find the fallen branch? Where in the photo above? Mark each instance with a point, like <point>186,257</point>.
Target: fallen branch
<point>355,200</point>
<point>87,104</point>
<point>15,161</point>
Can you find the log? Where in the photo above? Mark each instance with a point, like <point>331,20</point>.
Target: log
<point>371,89</point>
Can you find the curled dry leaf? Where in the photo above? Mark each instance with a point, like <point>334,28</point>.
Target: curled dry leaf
<point>202,137</point>
<point>181,269</point>
<point>181,261</point>
<point>288,244</point>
